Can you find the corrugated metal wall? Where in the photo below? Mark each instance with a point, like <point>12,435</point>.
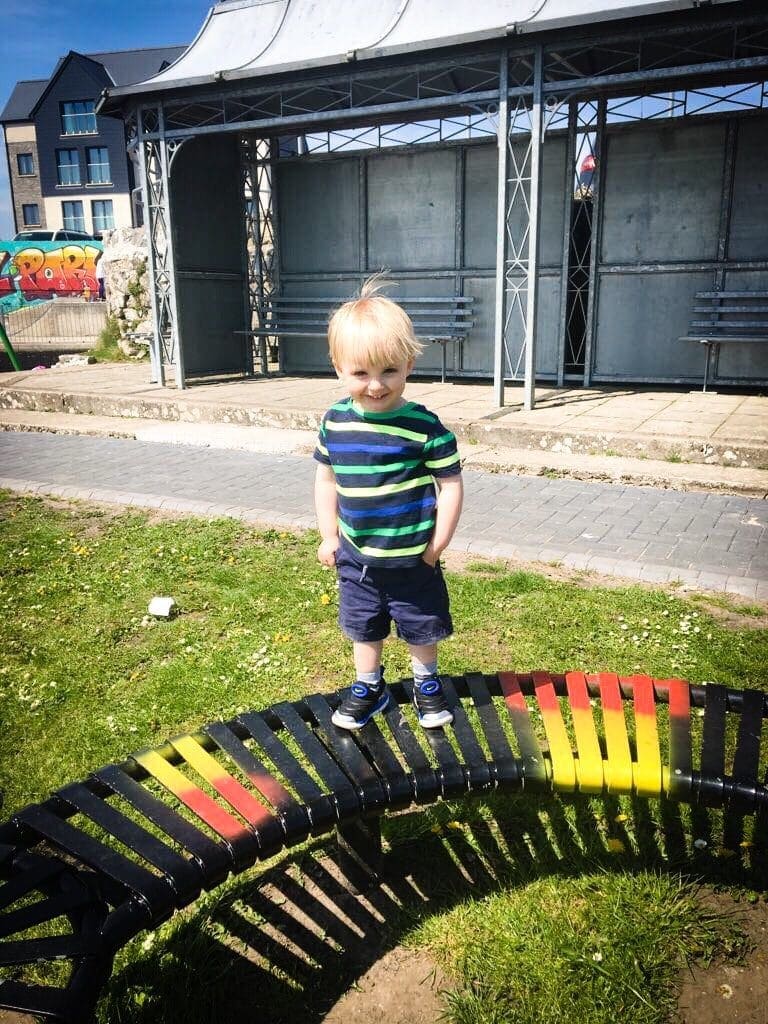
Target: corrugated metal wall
<point>670,226</point>
<point>429,217</point>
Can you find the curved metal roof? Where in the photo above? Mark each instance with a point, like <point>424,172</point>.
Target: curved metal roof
<point>249,38</point>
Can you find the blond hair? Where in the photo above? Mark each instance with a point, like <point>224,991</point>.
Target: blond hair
<point>372,328</point>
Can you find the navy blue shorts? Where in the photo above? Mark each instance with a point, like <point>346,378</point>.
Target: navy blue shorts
<point>415,599</point>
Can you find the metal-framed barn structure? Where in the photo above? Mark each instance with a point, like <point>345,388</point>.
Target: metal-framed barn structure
<point>580,168</point>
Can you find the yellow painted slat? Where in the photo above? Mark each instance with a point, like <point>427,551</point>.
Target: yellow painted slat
<point>618,766</point>
<point>647,772</point>
<point>560,749</point>
<point>589,762</point>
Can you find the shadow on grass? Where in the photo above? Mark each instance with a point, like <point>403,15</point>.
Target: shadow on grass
<point>287,945</point>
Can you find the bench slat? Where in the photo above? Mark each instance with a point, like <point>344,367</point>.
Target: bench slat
<point>729,309</point>
<point>731,295</point>
<point>320,806</point>
<point>737,324</point>
<point>450,771</point>
<point>725,339</point>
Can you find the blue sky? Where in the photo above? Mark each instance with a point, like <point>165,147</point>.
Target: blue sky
<point>35,33</point>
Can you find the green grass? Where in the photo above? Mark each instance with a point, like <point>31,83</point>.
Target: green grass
<point>595,949</point>
<point>86,676</point>
<point>107,349</point>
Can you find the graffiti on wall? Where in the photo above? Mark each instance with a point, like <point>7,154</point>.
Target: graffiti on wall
<point>31,272</point>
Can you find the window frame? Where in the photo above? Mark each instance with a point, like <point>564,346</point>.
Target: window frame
<point>99,163</point>
<point>69,226</point>
<point>64,115</point>
<point>25,174</point>
<point>30,223</point>
<point>97,221</point>
<point>69,166</point>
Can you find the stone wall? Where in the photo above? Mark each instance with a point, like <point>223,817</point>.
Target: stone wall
<point>125,258</point>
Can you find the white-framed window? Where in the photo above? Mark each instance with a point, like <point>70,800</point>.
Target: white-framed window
<point>103,217</point>
<point>67,167</point>
<point>78,117</point>
<point>30,214</point>
<point>25,163</point>
<point>72,215</point>
<point>97,165</point>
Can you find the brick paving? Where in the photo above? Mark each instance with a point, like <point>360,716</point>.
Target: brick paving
<point>706,541</point>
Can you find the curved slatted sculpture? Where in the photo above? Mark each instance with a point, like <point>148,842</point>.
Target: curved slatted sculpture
<point>87,869</point>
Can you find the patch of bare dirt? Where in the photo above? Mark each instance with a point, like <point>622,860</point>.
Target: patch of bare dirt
<point>731,993</point>
<point>403,987</point>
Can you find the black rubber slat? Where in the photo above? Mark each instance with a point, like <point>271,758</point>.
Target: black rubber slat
<point>213,858</point>
<point>505,766</point>
<point>294,817</point>
<point>451,775</point>
<point>344,794</point>
<point>43,910</point>
<point>155,893</point>
<point>320,806</point>
<point>37,1000</point>
<point>184,876</point>
<point>746,760</point>
<point>399,785</point>
<point>712,776</point>
<point>53,947</point>
<point>348,755</point>
<point>425,781</point>
<point>30,879</point>
<point>476,765</point>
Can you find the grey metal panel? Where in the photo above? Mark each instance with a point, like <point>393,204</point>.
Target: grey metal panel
<point>662,193</point>
<point>206,206</point>
<point>412,210</point>
<point>254,37</point>
<point>209,312</point>
<point>311,354</point>
<point>640,318</point>
<point>547,328</point>
<point>430,359</point>
<point>477,350</point>
<point>743,362</point>
<point>208,240</point>
<point>748,239</point>
<point>480,203</point>
<point>319,216</point>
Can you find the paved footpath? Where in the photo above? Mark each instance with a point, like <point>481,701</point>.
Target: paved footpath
<point>707,541</point>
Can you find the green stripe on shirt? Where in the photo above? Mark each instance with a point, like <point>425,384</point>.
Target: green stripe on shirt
<point>387,531</point>
<point>374,428</point>
<point>372,492</point>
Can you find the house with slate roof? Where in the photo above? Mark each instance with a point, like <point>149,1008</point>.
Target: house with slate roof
<point>68,166</point>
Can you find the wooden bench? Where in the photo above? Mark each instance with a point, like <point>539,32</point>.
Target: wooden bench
<point>123,850</point>
<point>729,317</point>
<point>440,319</point>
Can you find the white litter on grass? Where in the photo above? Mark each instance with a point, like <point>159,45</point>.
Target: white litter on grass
<point>161,607</point>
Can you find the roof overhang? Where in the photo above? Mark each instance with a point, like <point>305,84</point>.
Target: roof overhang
<point>246,39</point>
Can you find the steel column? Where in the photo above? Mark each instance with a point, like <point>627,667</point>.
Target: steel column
<point>597,227</point>
<point>529,398</point>
<point>500,311</point>
<point>156,346</point>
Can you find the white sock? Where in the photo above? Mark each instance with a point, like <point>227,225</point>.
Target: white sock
<point>372,679</point>
<point>423,670</point>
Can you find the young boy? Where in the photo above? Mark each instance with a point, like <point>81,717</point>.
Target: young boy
<point>388,496</point>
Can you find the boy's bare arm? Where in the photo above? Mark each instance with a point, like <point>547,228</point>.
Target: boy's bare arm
<point>326,510</point>
<point>449,502</point>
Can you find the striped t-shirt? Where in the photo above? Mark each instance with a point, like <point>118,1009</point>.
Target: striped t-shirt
<point>385,464</point>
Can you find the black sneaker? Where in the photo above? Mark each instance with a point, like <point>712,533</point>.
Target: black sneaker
<point>360,705</point>
<point>430,703</point>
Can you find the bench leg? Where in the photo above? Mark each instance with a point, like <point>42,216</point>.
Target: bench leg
<point>359,853</point>
<point>707,364</point>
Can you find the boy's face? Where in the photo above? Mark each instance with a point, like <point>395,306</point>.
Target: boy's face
<point>374,388</point>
